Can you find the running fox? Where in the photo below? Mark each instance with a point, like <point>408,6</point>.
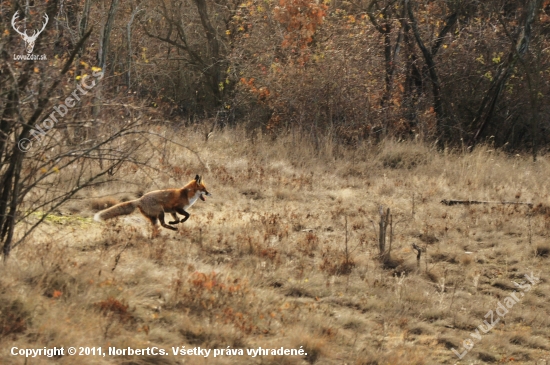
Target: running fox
<point>153,205</point>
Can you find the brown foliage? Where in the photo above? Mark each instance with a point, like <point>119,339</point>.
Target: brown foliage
<point>112,307</point>
<point>14,318</point>
<point>336,263</point>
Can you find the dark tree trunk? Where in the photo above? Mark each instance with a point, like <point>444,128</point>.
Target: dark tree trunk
<point>213,48</point>
<point>486,110</point>
<point>441,126</point>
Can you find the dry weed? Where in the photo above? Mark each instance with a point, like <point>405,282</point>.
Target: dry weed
<point>262,262</point>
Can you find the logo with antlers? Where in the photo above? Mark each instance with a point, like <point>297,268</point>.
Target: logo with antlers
<point>29,40</point>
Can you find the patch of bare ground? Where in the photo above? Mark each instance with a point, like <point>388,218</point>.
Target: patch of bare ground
<point>263,262</point>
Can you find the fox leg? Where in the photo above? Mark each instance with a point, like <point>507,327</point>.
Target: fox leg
<point>156,232</point>
<point>176,219</point>
<point>153,221</point>
<point>184,213</point>
<point>163,223</point>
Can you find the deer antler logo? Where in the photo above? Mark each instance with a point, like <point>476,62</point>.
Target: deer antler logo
<point>29,40</point>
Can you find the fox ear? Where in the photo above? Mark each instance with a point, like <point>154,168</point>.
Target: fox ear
<point>198,179</point>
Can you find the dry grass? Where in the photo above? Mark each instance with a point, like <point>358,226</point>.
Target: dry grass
<point>262,263</point>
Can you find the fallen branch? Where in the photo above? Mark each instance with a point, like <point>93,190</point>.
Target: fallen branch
<point>470,202</point>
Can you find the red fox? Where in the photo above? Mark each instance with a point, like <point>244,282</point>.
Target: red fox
<point>153,205</point>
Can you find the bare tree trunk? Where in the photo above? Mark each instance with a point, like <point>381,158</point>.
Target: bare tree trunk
<point>102,53</point>
<point>209,63</point>
<point>413,78</point>
<point>389,56</point>
<point>85,17</point>
<point>488,104</point>
<point>213,48</point>
<point>83,26</point>
<point>71,138</point>
<point>11,160</point>
<point>430,63</point>
<point>10,195</point>
<point>129,40</point>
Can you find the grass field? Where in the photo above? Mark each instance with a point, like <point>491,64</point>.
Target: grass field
<point>263,262</point>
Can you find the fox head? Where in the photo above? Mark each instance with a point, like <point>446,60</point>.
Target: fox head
<point>201,187</point>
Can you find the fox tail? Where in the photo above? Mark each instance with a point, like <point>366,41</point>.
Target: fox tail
<point>119,209</point>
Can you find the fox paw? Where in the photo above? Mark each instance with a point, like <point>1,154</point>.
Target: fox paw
<point>174,222</point>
